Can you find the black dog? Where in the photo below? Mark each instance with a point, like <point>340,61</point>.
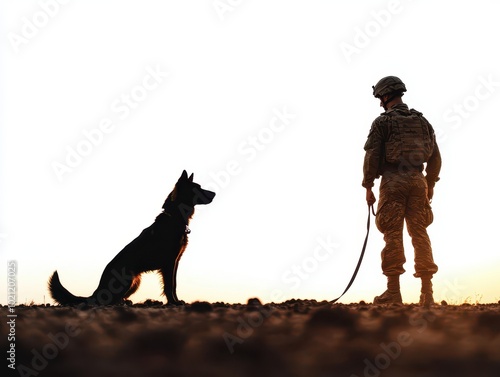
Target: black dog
<point>158,247</point>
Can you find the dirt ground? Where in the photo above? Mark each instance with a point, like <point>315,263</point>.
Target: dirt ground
<point>297,338</point>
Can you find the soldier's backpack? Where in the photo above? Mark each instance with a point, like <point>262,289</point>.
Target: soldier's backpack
<point>410,140</point>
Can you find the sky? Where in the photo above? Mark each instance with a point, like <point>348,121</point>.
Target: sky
<point>268,103</point>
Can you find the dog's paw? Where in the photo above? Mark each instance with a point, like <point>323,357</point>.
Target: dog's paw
<point>176,303</point>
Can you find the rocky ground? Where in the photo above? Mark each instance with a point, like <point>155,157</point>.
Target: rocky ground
<point>297,338</point>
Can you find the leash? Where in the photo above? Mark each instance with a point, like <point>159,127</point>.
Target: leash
<point>370,207</point>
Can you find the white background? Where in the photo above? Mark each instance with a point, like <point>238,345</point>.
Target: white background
<point>65,67</point>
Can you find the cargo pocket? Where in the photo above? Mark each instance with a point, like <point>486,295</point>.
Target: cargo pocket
<point>428,215</point>
<point>390,217</point>
<point>381,220</point>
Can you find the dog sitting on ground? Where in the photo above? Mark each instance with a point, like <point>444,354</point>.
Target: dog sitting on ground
<point>158,248</point>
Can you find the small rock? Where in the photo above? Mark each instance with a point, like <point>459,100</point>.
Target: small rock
<point>149,303</point>
<point>254,302</point>
<point>336,316</point>
<point>201,307</point>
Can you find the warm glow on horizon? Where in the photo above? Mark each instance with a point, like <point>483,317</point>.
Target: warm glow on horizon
<point>103,104</point>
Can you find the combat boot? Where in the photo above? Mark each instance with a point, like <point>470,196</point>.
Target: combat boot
<point>426,298</point>
<point>392,295</point>
<point>389,298</point>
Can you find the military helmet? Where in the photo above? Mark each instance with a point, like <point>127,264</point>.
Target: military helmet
<point>388,85</point>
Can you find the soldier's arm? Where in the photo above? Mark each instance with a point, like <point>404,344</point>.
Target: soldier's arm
<point>433,167</point>
<point>373,150</point>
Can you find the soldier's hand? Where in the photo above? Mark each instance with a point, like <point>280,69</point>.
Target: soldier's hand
<point>430,193</point>
<point>370,197</point>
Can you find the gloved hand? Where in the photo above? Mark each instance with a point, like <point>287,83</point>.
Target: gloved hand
<point>370,197</point>
<point>430,193</point>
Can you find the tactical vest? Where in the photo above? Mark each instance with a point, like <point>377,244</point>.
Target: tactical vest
<point>410,139</point>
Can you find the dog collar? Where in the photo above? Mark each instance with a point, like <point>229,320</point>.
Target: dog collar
<point>186,230</point>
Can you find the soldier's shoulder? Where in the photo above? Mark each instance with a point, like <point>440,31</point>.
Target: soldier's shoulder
<point>381,119</point>
<point>379,125</point>
<point>421,116</point>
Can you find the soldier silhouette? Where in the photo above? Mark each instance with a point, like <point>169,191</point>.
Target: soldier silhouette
<point>401,146</point>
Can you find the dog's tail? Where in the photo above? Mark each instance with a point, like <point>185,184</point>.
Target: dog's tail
<point>61,295</point>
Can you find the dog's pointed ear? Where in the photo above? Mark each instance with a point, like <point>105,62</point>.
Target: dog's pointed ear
<point>191,177</point>
<point>184,176</point>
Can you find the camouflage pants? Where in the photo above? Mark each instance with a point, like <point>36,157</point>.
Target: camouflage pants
<point>403,196</point>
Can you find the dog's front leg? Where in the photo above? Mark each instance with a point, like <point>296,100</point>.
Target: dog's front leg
<point>169,282</point>
<point>174,282</point>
